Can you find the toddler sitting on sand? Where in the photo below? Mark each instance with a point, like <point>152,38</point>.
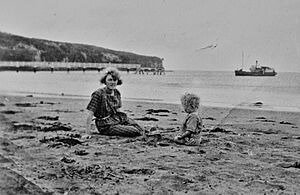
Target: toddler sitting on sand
<point>192,125</point>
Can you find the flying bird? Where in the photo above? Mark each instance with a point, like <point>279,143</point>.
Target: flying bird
<point>210,46</point>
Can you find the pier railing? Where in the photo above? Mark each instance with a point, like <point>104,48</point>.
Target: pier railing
<point>62,66</point>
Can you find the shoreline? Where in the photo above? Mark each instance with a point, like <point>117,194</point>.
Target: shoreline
<point>252,106</point>
<point>42,141</point>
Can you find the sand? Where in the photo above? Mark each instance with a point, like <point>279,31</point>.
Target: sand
<point>44,150</point>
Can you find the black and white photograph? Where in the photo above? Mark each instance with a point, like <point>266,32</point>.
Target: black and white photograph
<point>149,97</point>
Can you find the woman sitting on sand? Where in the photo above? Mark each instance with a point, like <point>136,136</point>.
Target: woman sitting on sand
<point>192,125</point>
<point>104,106</point>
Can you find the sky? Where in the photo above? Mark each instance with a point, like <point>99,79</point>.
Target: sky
<point>187,34</point>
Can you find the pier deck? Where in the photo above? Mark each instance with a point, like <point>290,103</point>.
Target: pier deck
<point>63,66</point>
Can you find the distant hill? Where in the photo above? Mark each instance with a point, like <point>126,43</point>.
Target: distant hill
<point>18,48</point>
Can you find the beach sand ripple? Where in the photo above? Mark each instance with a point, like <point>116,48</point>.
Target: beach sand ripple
<point>44,150</point>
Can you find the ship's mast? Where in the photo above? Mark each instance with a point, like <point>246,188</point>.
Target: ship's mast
<point>242,59</point>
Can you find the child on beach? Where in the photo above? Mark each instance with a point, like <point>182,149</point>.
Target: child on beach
<point>192,125</point>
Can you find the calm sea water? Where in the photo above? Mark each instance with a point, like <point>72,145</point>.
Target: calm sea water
<point>281,92</point>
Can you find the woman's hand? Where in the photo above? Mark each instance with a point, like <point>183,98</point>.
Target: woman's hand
<point>178,139</point>
<point>186,134</point>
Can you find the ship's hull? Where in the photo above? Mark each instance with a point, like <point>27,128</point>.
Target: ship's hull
<point>246,73</point>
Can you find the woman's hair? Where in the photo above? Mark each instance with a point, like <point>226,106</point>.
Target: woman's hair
<point>114,74</point>
<point>190,102</point>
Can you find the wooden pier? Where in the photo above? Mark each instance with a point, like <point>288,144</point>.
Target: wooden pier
<point>64,66</point>
<point>154,71</point>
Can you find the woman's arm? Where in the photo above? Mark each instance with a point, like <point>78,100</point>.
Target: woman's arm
<point>92,107</point>
<point>119,100</point>
<point>89,121</point>
<point>185,134</point>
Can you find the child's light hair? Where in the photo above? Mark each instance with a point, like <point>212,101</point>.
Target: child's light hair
<point>190,102</point>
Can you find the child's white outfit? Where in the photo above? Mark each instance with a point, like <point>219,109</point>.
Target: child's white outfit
<point>193,123</point>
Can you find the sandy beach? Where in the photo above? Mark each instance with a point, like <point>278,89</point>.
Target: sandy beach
<point>44,150</point>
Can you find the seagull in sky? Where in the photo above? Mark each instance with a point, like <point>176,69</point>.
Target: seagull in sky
<point>210,46</point>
